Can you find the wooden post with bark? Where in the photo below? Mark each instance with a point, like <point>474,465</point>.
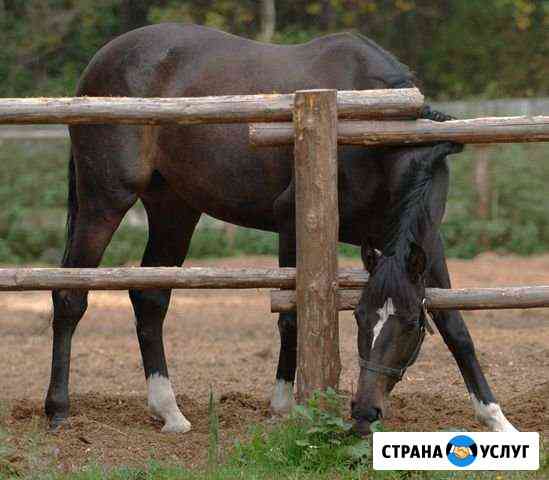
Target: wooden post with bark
<point>317,230</point>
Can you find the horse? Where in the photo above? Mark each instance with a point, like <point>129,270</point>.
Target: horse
<point>179,172</point>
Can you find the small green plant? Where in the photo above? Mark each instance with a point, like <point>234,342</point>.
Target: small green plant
<point>323,427</point>
<point>316,438</point>
<point>213,433</point>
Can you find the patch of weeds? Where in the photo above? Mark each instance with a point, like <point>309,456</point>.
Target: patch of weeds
<point>36,460</point>
<point>315,439</point>
<point>544,461</point>
<point>7,452</point>
<point>7,468</point>
<point>326,434</point>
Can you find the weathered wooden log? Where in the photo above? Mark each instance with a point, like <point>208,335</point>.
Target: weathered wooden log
<point>124,278</point>
<point>317,228</point>
<point>375,133</point>
<point>395,103</point>
<point>440,299</point>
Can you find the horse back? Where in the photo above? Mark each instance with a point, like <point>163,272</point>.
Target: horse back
<point>212,167</point>
<point>189,60</point>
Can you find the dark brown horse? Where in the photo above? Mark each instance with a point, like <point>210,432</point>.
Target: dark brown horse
<point>180,172</point>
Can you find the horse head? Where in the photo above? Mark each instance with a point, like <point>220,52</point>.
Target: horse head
<point>391,314</point>
<point>391,322</point>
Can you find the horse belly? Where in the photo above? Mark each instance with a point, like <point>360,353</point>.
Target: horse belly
<point>215,171</point>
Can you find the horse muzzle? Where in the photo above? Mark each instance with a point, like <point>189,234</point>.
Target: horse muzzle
<point>364,417</point>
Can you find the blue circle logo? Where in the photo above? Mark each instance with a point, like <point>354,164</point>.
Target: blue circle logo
<point>461,451</point>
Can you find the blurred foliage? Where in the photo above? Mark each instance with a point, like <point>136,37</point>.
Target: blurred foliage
<point>489,48</point>
<point>473,48</point>
<point>33,192</point>
<point>518,220</point>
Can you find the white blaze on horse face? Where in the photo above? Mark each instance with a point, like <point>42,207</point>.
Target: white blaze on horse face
<point>162,405</point>
<point>383,313</point>
<point>492,416</point>
<point>283,397</point>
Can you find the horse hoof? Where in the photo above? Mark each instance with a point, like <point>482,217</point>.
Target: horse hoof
<point>282,409</point>
<point>177,425</point>
<point>57,422</point>
<point>283,401</point>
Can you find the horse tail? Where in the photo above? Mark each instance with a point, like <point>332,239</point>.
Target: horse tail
<point>72,208</point>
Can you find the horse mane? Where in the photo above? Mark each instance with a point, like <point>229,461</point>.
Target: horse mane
<point>409,217</point>
<point>405,76</point>
<point>410,213</point>
<point>389,281</point>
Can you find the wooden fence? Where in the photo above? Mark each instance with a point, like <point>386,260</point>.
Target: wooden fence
<point>379,117</point>
<point>481,175</point>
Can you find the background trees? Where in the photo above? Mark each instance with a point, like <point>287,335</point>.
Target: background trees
<point>460,49</point>
<point>488,48</point>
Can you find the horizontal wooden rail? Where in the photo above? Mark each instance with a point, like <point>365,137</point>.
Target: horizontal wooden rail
<point>395,103</point>
<point>441,299</point>
<point>19,279</point>
<point>124,278</point>
<point>374,133</point>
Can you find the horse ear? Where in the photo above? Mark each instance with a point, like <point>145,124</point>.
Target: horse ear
<point>370,257</point>
<point>417,262</point>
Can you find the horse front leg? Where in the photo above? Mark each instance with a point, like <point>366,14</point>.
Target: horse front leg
<point>456,336</point>
<point>282,400</point>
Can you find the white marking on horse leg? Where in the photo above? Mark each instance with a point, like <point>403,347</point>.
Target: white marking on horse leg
<point>283,397</point>
<point>492,416</point>
<point>163,405</point>
<point>384,313</point>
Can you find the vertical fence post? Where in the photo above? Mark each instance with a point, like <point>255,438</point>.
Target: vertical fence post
<point>317,230</point>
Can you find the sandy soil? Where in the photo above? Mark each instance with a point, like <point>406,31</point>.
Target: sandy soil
<point>227,341</point>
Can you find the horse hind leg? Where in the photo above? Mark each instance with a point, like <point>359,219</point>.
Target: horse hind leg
<point>171,225</point>
<point>282,400</point>
<point>92,223</point>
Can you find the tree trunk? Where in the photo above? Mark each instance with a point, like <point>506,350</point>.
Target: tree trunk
<point>229,230</point>
<point>15,7</point>
<point>328,17</point>
<point>268,20</point>
<point>134,14</point>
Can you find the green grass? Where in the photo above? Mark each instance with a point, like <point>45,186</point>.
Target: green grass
<point>315,443</point>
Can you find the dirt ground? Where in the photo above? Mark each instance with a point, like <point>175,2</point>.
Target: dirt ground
<point>228,341</point>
